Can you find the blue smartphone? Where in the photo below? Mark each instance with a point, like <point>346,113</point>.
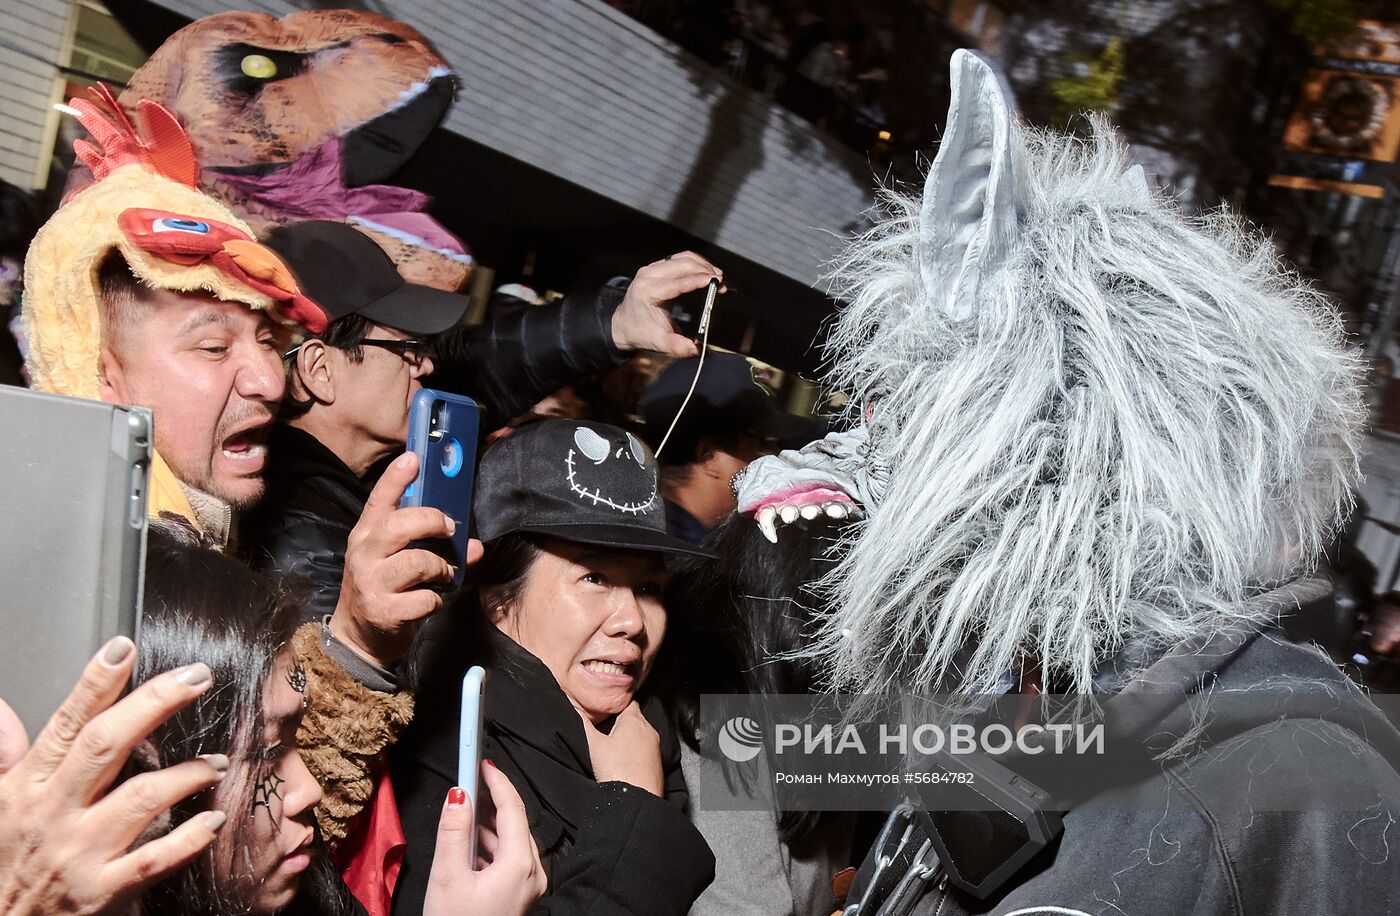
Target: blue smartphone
<point>469,739</point>
<point>442,432</point>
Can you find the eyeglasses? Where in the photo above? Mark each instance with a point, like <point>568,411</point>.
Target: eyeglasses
<point>412,350</point>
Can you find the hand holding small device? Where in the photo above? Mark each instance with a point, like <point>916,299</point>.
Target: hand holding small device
<point>387,585</point>
<point>643,319</point>
<point>67,839</point>
<point>511,882</point>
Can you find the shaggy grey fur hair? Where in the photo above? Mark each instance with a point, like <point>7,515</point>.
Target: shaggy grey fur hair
<point>1146,420</point>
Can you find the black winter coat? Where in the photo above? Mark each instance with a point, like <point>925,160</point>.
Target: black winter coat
<point>526,352</point>
<point>303,523</point>
<point>1181,837</point>
<point>609,849</point>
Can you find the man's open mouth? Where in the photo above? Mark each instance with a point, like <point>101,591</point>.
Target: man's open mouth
<point>248,445</point>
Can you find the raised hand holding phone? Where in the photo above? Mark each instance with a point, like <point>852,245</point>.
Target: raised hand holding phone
<point>643,321</point>
<point>511,882</point>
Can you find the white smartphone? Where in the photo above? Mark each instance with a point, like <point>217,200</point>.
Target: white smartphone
<point>469,740</point>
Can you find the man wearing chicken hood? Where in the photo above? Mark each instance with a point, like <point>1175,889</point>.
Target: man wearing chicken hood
<point>143,290</point>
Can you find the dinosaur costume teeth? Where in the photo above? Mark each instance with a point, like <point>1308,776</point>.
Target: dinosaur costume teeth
<point>296,118</point>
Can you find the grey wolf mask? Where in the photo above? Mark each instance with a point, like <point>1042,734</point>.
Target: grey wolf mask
<point>1089,418</point>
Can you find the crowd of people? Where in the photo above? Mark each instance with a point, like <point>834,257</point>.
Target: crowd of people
<point>1111,485</point>
<point>273,742</point>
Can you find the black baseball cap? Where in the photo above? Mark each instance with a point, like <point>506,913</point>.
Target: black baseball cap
<point>342,270</point>
<point>727,399</point>
<point>580,481</point>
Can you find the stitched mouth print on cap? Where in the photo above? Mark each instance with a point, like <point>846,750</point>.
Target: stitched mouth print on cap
<point>611,473</point>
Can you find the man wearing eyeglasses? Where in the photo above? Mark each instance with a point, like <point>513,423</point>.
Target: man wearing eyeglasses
<point>348,390</point>
<point>345,410</point>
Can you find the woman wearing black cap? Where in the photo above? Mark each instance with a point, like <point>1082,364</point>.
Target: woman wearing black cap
<point>565,613</point>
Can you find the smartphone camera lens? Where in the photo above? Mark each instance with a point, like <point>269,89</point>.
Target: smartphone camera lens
<point>451,457</point>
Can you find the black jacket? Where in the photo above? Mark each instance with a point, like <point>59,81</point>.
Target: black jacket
<point>609,849</point>
<point>526,352</point>
<point>1283,731</point>
<point>302,524</point>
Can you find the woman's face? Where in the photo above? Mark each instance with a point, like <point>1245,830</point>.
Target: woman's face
<point>593,615</point>
<point>273,847</point>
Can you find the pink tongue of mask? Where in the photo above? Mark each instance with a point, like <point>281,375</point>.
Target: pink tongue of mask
<point>798,497</point>
<point>311,188</point>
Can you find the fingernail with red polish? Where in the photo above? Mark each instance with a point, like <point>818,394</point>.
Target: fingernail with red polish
<point>455,796</point>
<point>487,761</point>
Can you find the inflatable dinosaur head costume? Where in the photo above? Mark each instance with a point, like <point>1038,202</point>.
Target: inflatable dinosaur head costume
<point>1089,419</point>
<point>294,118</point>
<point>142,204</point>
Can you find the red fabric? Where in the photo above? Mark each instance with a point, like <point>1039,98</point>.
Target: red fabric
<point>156,139</point>
<point>190,240</point>
<point>175,237</point>
<point>370,856</point>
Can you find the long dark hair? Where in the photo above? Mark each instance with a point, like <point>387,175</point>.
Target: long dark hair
<point>203,606</point>
<point>454,638</point>
<point>735,620</point>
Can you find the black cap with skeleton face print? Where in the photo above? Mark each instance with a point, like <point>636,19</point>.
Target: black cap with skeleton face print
<point>586,482</point>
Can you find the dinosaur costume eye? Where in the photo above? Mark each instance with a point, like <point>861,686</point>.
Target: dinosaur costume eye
<point>258,66</point>
<point>249,69</point>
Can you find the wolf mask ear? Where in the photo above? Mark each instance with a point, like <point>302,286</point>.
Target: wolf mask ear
<point>968,222</point>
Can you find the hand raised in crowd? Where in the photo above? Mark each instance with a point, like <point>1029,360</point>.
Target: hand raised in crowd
<point>384,592</point>
<point>512,878</point>
<point>642,322</point>
<point>630,752</point>
<point>65,842</point>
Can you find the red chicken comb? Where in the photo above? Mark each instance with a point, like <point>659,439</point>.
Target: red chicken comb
<point>156,141</point>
